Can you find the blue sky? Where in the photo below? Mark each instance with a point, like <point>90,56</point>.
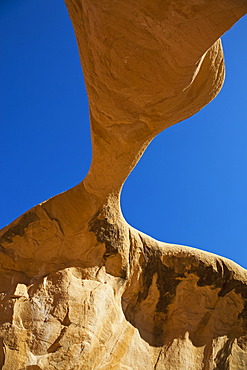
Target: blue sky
<point>189,188</point>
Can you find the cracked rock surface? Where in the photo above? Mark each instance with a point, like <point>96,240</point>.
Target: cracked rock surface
<point>79,287</point>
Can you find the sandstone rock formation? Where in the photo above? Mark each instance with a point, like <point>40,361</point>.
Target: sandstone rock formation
<point>80,288</point>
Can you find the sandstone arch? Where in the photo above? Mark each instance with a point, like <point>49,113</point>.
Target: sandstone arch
<point>80,288</point>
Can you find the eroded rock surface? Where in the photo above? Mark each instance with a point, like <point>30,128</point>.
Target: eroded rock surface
<point>80,288</point>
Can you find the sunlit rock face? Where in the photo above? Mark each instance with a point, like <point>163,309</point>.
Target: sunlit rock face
<point>80,288</point>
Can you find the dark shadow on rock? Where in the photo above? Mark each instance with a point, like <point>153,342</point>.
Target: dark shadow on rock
<point>2,354</point>
<point>185,295</point>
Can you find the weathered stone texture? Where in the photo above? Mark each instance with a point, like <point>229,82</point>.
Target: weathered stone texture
<point>79,287</point>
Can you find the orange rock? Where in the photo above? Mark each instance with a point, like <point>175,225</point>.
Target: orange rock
<point>80,288</point>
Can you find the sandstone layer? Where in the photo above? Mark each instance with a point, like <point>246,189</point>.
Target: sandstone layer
<point>79,287</point>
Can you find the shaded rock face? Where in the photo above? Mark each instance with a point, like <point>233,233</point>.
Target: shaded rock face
<point>80,288</point>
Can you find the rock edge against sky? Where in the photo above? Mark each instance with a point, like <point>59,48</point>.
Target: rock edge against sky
<point>80,288</point>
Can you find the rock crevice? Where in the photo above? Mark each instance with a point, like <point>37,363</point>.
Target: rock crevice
<point>79,287</point>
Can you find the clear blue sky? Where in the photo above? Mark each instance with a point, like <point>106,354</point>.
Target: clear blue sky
<point>189,188</point>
